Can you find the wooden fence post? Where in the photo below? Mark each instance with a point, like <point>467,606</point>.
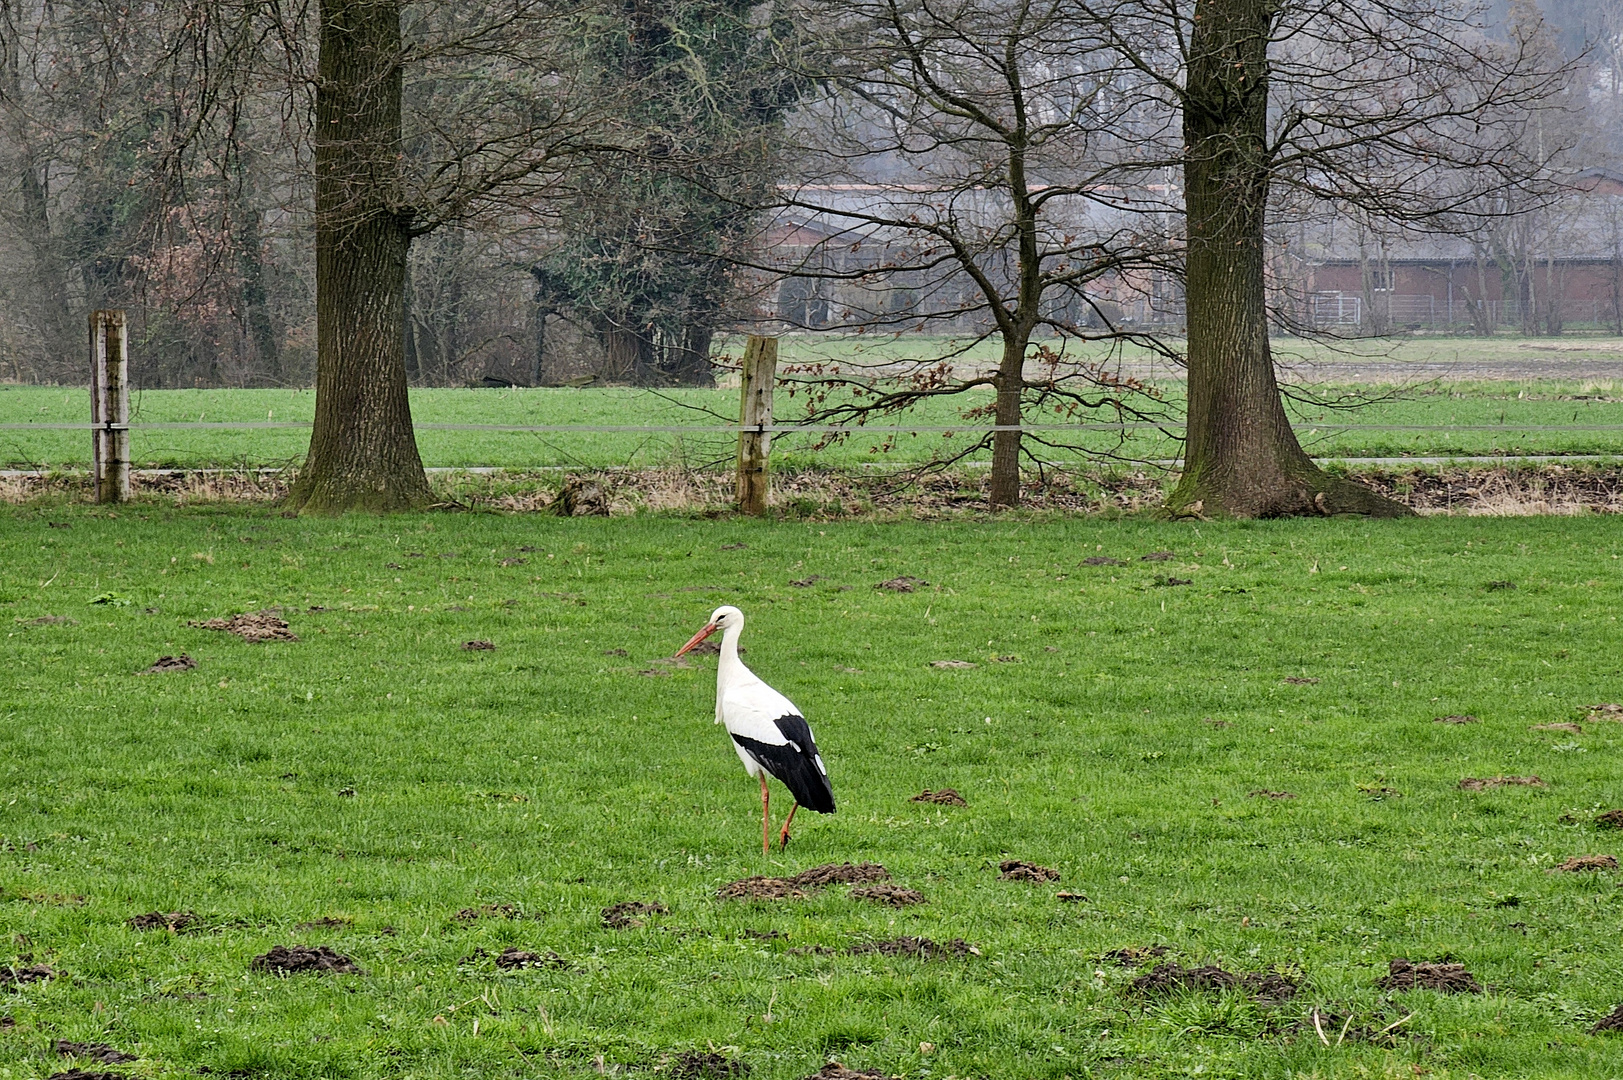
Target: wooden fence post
<point>759,373</point>
<point>110,405</point>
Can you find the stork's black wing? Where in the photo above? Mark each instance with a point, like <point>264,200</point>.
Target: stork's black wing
<point>795,762</point>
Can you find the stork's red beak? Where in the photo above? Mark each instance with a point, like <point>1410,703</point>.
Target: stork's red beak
<point>710,628</point>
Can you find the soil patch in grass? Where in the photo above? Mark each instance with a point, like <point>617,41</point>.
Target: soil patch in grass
<point>478,646</point>
<point>174,921</point>
<point>98,1052</point>
<point>326,922</point>
<point>1020,870</point>
<point>819,877</point>
<point>1300,680</point>
<point>27,973</point>
<point>835,1071</point>
<point>1157,556</point>
<point>317,959</point>
<point>629,913</point>
<point>1443,976</point>
<point>511,959</point>
<point>903,584</point>
<point>255,626</point>
<point>765,935</point>
<point>807,582</point>
<point>761,888</point>
<point>81,1074</point>
<point>487,911</point>
<point>1173,978</point>
<point>1103,560</point>
<point>952,664</point>
<point>1612,819</point>
<point>1472,783</point>
<point>171,663</point>
<point>1611,1022</point>
<point>944,797</point>
<point>1580,863</point>
<point>1264,793</point>
<point>1133,956</point>
<point>1463,718</point>
<point>1570,729</point>
<point>893,895</point>
<point>921,947</point>
<point>697,1065</point>
<point>52,620</point>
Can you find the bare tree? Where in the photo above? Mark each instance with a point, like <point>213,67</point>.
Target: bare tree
<point>1406,112</point>
<point>983,168</point>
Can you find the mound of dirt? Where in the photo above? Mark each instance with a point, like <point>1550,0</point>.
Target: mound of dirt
<point>171,663</point>
<point>760,888</point>
<point>1464,718</point>
<point>318,959</point>
<point>1605,712</point>
<point>1103,560</point>
<point>1570,729</point>
<point>894,895</point>
<point>175,921</point>
<point>1445,978</point>
<point>16,976</point>
<point>835,1071</point>
<point>1612,819</point>
<point>1133,956</point>
<point>903,584</point>
<point>1612,1022</point>
<point>1264,793</point>
<point>1172,978</point>
<point>1301,680</point>
<point>921,947</point>
<point>944,797</point>
<point>694,1065</point>
<point>840,874</point>
<point>255,626</point>
<point>626,914</point>
<point>1020,870</point>
<point>580,498</point>
<point>97,1052</point>
<point>478,646</point>
<point>1579,863</point>
<point>951,664</point>
<point>1471,783</point>
<point>512,959</point>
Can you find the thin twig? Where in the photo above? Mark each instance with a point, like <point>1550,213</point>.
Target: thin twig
<point>1344,1028</point>
<point>1390,1026</point>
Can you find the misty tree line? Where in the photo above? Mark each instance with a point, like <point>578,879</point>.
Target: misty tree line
<point>446,185</point>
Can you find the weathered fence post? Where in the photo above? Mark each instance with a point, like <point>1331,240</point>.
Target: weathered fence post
<point>759,373</point>
<point>110,405</point>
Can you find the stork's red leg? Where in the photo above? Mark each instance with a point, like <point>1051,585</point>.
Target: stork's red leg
<point>783,840</point>
<point>766,818</point>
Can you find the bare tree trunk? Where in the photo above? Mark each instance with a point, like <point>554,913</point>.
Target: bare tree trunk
<point>1241,458</point>
<point>627,357</point>
<point>1004,487</point>
<point>363,452</point>
<point>689,357</point>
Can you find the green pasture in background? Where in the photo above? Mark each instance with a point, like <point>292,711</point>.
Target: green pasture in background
<point>1543,417</point>
<point>361,787</point>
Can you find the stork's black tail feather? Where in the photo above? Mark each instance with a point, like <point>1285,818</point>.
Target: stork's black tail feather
<point>796,763</point>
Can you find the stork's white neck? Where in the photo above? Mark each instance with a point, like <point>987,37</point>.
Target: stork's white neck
<point>730,667</point>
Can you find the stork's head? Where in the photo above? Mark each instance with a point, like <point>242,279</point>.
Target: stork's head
<point>723,618</point>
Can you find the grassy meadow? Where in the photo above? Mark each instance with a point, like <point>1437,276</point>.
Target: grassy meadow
<point>1456,417</point>
<point>361,787</point>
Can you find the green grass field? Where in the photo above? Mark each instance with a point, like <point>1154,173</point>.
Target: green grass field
<point>1515,410</point>
<point>376,774</point>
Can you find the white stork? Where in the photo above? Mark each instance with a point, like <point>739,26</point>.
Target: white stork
<point>768,732</point>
